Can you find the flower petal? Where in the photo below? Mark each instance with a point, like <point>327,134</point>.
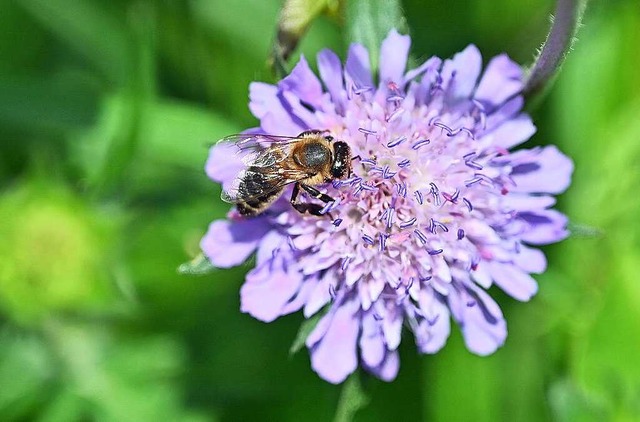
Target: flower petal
<point>483,326</point>
<point>224,164</point>
<point>530,260</point>
<point>502,78</point>
<point>334,356</point>
<point>330,70</point>
<point>303,83</point>
<point>544,226</point>
<point>266,105</point>
<point>511,133</point>
<point>515,282</point>
<point>460,74</point>
<point>268,288</point>
<point>388,368</point>
<point>228,244</point>
<point>372,347</point>
<point>358,68</point>
<point>548,171</point>
<point>434,329</point>
<point>393,57</point>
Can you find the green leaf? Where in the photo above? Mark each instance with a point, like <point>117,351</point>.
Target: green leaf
<point>305,329</point>
<point>97,32</point>
<point>352,399</point>
<point>369,22</point>
<point>199,265</point>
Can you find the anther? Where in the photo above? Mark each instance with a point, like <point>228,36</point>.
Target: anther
<point>420,143</point>
<point>396,142</point>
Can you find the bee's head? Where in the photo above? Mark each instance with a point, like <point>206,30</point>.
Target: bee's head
<point>341,166</point>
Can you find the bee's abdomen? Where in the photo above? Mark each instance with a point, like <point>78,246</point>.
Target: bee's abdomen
<point>254,188</point>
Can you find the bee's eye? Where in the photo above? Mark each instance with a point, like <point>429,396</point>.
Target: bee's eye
<point>329,138</point>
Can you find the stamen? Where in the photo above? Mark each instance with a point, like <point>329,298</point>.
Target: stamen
<point>362,90</point>
<point>396,142</point>
<point>443,127</point>
<point>471,182</point>
<point>425,278</point>
<point>420,236</point>
<point>387,173</point>
<point>390,216</point>
<point>432,226</point>
<point>292,245</point>
<point>439,225</point>
<point>451,198</point>
<point>356,180</point>
<point>394,116</point>
<point>408,223</point>
<point>377,317</point>
<point>434,188</point>
<point>418,195</point>
<point>435,251</point>
<point>394,98</point>
<point>410,284</point>
<point>460,234</point>
<point>368,161</point>
<point>383,241</point>
<point>420,143</point>
<point>345,263</point>
<point>468,204</point>
<point>473,165</point>
<point>368,239</point>
<point>367,186</point>
<point>383,216</point>
<point>332,291</point>
<point>404,163</point>
<point>337,222</point>
<point>401,189</point>
<point>376,169</point>
<point>366,131</point>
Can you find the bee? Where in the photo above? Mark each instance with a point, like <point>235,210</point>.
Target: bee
<point>273,162</point>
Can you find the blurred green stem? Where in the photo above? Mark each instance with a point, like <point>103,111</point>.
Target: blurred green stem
<point>565,25</point>
<point>351,400</point>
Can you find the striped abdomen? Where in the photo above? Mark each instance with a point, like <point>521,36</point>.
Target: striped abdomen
<point>259,191</point>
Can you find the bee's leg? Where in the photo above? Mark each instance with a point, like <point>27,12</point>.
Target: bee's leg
<point>313,209</point>
<point>311,132</point>
<point>316,193</point>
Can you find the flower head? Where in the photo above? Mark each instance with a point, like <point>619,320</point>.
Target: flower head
<point>438,208</point>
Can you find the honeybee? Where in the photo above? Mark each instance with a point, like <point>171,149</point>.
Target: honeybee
<point>273,162</point>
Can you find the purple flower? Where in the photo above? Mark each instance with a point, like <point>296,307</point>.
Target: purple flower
<point>437,209</point>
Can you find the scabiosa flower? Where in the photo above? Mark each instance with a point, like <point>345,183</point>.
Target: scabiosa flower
<point>436,211</point>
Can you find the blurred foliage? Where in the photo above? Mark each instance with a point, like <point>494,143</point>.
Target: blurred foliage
<point>106,113</point>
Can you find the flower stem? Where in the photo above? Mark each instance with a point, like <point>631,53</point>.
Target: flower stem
<point>352,399</point>
<point>565,24</point>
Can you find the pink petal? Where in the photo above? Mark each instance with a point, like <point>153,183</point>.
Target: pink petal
<point>502,78</point>
<point>515,282</point>
<point>393,57</point>
<point>372,347</point>
<point>228,244</point>
<point>461,73</point>
<point>552,174</point>
<point>334,357</point>
<point>267,290</point>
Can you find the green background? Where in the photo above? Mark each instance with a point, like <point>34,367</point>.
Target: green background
<point>106,112</point>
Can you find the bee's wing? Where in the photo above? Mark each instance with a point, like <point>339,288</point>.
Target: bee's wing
<point>272,180</point>
<point>256,142</point>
